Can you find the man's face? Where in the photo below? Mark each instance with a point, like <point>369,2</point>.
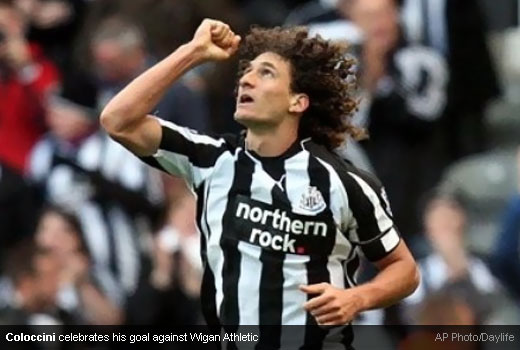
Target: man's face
<point>114,63</point>
<point>445,223</point>
<point>379,20</point>
<point>56,235</point>
<point>67,122</point>
<point>264,94</point>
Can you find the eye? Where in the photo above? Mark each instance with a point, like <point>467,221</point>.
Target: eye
<point>266,72</point>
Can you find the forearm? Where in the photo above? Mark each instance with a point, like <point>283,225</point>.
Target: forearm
<point>137,99</point>
<point>392,284</point>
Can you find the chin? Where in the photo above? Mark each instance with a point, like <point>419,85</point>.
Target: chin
<point>245,118</point>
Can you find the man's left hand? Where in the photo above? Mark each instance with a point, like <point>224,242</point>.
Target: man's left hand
<point>332,306</point>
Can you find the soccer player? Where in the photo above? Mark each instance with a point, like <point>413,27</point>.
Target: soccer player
<point>283,220</point>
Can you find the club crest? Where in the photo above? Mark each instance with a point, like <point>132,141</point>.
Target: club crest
<point>312,200</point>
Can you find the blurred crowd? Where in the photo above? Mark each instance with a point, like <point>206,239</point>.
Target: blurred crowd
<point>90,235</point>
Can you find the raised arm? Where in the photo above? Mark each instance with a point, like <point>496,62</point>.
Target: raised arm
<point>126,117</point>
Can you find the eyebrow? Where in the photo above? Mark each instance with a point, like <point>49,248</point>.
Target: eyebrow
<point>268,64</point>
<point>265,64</point>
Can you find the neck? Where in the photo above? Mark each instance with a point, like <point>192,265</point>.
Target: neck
<point>271,143</point>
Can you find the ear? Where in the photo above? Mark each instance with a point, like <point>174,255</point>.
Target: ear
<point>299,103</point>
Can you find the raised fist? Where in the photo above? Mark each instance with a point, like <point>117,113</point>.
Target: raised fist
<point>215,40</point>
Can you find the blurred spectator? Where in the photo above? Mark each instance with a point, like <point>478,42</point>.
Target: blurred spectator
<point>446,307</point>
<point>34,276</point>
<point>112,193</point>
<point>407,95</point>
<point>449,264</point>
<point>315,11</point>
<point>119,55</point>
<point>54,24</point>
<point>457,29</point>
<point>403,98</point>
<point>26,76</point>
<point>59,233</point>
<point>17,209</point>
<point>172,291</point>
<point>505,258</point>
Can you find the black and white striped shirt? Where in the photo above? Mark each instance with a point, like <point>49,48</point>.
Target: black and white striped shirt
<point>269,225</point>
<point>112,235</point>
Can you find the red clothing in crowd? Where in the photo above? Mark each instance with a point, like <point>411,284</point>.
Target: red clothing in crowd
<point>22,108</point>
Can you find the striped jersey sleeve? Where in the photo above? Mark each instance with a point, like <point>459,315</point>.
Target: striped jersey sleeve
<point>371,225</point>
<point>186,153</point>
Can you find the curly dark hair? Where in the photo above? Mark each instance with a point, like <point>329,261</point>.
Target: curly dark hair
<point>319,68</point>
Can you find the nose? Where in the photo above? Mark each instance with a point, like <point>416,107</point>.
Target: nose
<point>247,80</point>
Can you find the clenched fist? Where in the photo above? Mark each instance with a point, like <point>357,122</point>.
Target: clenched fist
<point>215,40</point>
<point>332,306</point>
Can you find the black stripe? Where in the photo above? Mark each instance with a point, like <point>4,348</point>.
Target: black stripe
<point>207,299</point>
<point>352,267</point>
<point>317,271</point>
<point>199,154</point>
<point>208,291</point>
<point>362,209</point>
<point>376,185</point>
<point>361,206</point>
<point>271,290</point>
<point>243,177</point>
<point>151,161</point>
<point>375,250</point>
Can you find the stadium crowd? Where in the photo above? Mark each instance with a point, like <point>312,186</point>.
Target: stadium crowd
<point>90,235</point>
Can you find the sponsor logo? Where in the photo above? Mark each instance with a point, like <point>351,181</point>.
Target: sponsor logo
<point>282,230</point>
<point>276,243</point>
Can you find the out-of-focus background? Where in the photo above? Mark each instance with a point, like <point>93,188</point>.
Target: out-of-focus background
<point>90,235</point>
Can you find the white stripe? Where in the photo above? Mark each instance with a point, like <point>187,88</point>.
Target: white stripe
<point>336,272</point>
<point>296,180</point>
<point>351,280</point>
<point>390,240</point>
<point>95,232</point>
<point>249,283</point>
<point>342,246</point>
<point>180,165</point>
<point>250,264</point>
<point>40,160</point>
<point>192,136</point>
<point>203,225</point>
<point>176,164</point>
<point>294,268</point>
<point>295,274</point>
<point>216,204</point>
<point>293,313</point>
<point>125,249</point>
<point>383,221</point>
<point>339,199</point>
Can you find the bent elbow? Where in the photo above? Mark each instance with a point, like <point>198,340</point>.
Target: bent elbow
<point>415,279</point>
<point>108,122</point>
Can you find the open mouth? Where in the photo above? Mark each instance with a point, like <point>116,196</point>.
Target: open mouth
<point>245,99</point>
